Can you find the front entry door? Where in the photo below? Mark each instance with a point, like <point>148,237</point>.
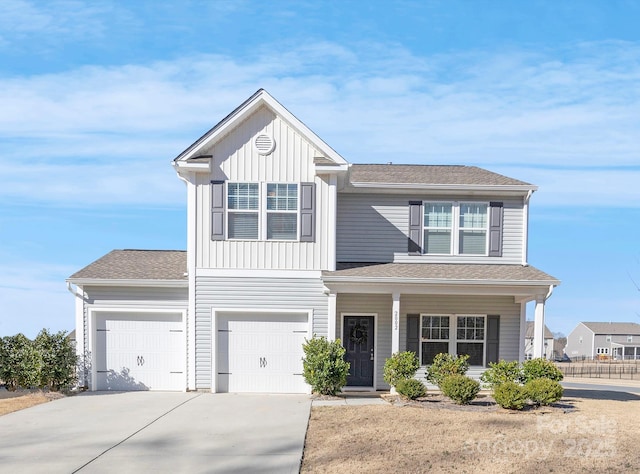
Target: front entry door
<point>358,339</point>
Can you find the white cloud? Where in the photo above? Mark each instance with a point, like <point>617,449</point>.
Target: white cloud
<point>372,104</point>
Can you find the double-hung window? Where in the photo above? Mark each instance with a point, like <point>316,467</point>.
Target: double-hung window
<point>455,228</point>
<point>243,204</point>
<point>262,211</point>
<point>456,334</point>
<point>282,211</point>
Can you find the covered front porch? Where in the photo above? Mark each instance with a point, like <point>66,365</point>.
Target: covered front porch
<point>377,310</point>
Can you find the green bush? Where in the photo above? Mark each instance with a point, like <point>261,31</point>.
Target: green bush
<point>324,367</point>
<point>540,368</point>
<point>543,391</point>
<point>411,388</point>
<point>400,366</point>
<point>446,364</point>
<point>510,395</point>
<point>59,360</point>
<point>20,362</point>
<point>460,388</point>
<point>501,372</point>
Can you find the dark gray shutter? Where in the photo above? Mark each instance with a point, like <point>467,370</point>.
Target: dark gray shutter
<point>493,339</point>
<point>415,227</point>
<point>307,212</point>
<point>217,210</point>
<point>413,333</point>
<point>495,229</point>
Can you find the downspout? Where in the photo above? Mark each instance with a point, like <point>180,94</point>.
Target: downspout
<point>525,244</point>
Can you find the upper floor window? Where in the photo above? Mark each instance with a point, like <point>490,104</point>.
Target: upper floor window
<point>263,211</point>
<point>452,228</point>
<point>629,338</point>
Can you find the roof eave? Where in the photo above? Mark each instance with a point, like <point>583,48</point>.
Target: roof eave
<point>128,282</point>
<point>439,281</point>
<point>524,189</point>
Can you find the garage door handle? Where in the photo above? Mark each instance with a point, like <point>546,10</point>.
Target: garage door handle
<point>140,360</point>
<point>263,362</point>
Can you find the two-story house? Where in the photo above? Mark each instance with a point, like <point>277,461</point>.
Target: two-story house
<point>286,240</point>
<point>548,352</point>
<point>604,340</point>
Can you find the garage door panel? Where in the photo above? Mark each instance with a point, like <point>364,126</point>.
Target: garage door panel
<point>140,351</point>
<point>261,353</point>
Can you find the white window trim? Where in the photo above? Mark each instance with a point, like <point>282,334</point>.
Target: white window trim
<point>261,211</point>
<point>455,228</point>
<point>453,334</point>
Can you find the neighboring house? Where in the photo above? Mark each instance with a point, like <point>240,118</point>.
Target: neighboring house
<point>528,342</point>
<point>286,240</point>
<point>619,341</point>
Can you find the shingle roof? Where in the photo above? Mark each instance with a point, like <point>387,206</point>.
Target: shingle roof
<point>430,174</point>
<point>441,271</point>
<point>136,265</point>
<point>530,330</point>
<point>613,328</point>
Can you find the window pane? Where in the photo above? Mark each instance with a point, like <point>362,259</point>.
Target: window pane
<point>243,225</point>
<point>437,214</point>
<point>282,197</point>
<point>242,196</point>
<point>431,349</point>
<point>473,216</point>
<point>473,242</point>
<point>475,350</point>
<point>282,226</point>
<point>437,241</point>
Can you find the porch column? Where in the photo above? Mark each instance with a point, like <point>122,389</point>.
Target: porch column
<point>538,328</point>
<point>395,324</point>
<point>331,317</point>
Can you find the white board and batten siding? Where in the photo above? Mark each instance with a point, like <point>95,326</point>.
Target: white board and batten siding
<point>220,297</point>
<point>384,220</point>
<point>235,159</point>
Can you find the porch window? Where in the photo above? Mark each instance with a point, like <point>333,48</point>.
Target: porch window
<point>435,337</point>
<point>470,337</point>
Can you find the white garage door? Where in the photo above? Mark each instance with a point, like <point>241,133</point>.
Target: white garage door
<point>261,353</point>
<point>139,351</point>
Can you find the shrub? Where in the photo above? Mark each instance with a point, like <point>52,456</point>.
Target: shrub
<point>446,364</point>
<point>411,388</point>
<point>324,367</point>
<point>20,362</point>
<point>543,391</point>
<point>59,360</point>
<point>540,368</point>
<point>501,372</point>
<point>510,395</point>
<point>460,388</point>
<point>400,366</point>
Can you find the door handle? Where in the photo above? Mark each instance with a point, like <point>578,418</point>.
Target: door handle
<point>371,354</point>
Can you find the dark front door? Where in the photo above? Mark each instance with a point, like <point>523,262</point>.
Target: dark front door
<point>358,339</point>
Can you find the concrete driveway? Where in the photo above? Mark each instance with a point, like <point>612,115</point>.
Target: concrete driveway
<point>157,432</point>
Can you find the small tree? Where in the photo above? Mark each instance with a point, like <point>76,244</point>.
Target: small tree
<point>20,362</point>
<point>445,364</point>
<point>324,367</point>
<point>400,366</point>
<point>59,360</point>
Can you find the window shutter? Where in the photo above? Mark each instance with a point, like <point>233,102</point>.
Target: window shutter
<point>415,227</point>
<point>413,333</point>
<point>495,229</point>
<point>217,210</point>
<point>493,339</point>
<point>307,212</point>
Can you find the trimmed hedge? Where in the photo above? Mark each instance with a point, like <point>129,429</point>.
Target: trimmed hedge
<point>411,388</point>
<point>510,395</point>
<point>540,368</point>
<point>444,365</point>
<point>543,391</point>
<point>324,367</point>
<point>400,366</point>
<point>460,388</point>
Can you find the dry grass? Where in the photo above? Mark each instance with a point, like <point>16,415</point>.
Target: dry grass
<point>581,434</point>
<point>10,402</point>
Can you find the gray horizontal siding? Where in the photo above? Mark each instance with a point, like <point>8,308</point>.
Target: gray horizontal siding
<point>488,305</point>
<point>251,293</point>
<point>136,296</point>
<point>372,228</point>
<point>574,347</point>
<point>370,304</point>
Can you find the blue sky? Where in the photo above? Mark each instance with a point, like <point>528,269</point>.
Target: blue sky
<point>97,97</point>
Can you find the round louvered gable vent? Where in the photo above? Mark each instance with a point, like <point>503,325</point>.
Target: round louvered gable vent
<point>264,144</point>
